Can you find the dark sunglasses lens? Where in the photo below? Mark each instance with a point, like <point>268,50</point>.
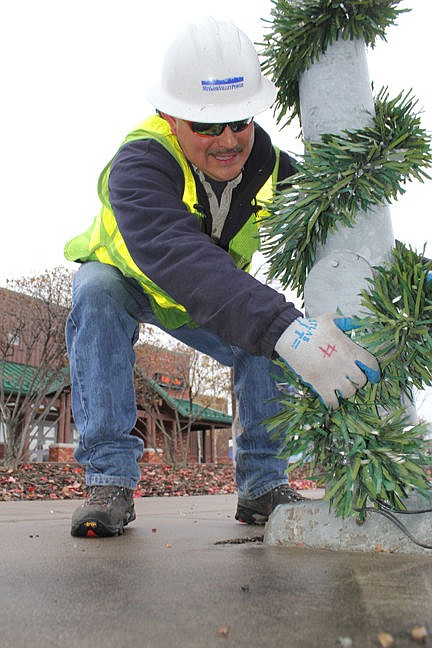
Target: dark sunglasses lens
<point>239,126</point>
<point>213,130</point>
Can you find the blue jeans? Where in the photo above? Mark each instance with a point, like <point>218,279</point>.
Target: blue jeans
<point>101,331</point>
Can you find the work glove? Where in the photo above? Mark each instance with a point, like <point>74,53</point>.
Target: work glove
<point>326,359</point>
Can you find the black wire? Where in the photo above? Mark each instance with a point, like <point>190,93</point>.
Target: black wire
<point>388,513</point>
<point>385,506</point>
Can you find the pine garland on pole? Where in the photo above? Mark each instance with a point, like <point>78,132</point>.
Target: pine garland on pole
<point>301,32</point>
<point>365,451</point>
<point>340,175</point>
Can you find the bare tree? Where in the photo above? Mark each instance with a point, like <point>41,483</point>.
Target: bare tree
<point>33,362</point>
<point>205,384</point>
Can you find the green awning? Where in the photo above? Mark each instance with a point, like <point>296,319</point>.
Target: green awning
<point>182,406</point>
<point>21,379</point>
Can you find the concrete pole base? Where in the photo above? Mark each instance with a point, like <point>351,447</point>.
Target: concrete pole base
<point>310,524</point>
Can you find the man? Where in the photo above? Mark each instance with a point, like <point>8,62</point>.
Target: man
<point>181,205</point>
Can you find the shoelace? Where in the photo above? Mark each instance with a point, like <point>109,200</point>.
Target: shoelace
<point>292,494</point>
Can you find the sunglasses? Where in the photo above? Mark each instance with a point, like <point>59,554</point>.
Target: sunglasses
<point>214,130</point>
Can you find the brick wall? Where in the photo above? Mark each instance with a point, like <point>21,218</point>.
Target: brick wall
<point>222,446</point>
<point>151,456</point>
<point>155,360</point>
<point>20,316</point>
<point>61,452</point>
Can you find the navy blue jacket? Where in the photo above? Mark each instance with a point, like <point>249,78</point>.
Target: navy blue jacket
<point>170,246</point>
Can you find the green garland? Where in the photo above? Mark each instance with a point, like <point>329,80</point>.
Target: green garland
<point>366,451</point>
<point>337,177</point>
<point>399,299</point>
<point>301,32</point>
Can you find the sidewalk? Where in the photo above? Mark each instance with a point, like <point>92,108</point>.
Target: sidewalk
<point>182,577</point>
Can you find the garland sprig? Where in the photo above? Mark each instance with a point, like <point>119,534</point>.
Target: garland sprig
<point>340,175</point>
<point>367,450</point>
<point>301,32</point>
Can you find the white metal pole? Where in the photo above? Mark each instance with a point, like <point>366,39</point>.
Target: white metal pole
<point>336,95</point>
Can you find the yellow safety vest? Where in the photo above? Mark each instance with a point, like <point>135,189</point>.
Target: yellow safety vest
<point>103,242</point>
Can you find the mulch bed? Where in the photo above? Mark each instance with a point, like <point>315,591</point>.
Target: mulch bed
<point>51,481</point>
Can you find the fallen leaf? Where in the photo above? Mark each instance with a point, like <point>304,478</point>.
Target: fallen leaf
<point>419,633</point>
<point>385,639</point>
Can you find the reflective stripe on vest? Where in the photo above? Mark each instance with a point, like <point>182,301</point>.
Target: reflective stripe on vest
<point>103,242</point>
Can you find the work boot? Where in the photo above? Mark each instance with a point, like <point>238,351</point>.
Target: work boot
<point>105,512</point>
<point>257,511</point>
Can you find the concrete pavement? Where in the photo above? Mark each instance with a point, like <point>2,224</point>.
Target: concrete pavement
<point>182,576</point>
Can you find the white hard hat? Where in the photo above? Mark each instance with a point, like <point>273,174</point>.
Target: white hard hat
<point>211,73</point>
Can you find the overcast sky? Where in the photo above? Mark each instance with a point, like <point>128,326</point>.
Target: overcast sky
<point>73,83</point>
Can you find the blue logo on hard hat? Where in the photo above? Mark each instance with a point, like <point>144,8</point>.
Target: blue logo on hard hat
<point>222,85</point>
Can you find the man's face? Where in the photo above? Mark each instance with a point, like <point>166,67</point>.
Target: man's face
<point>221,157</point>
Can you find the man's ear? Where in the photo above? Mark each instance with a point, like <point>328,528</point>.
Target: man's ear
<point>172,121</point>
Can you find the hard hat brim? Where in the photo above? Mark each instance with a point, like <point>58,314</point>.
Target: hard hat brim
<point>184,108</point>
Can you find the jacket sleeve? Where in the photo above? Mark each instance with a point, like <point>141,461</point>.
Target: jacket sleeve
<point>167,244</point>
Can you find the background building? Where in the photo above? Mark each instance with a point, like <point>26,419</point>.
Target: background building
<point>175,423</point>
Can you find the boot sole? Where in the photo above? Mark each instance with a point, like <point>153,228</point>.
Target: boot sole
<point>94,528</point>
<point>246,516</point>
